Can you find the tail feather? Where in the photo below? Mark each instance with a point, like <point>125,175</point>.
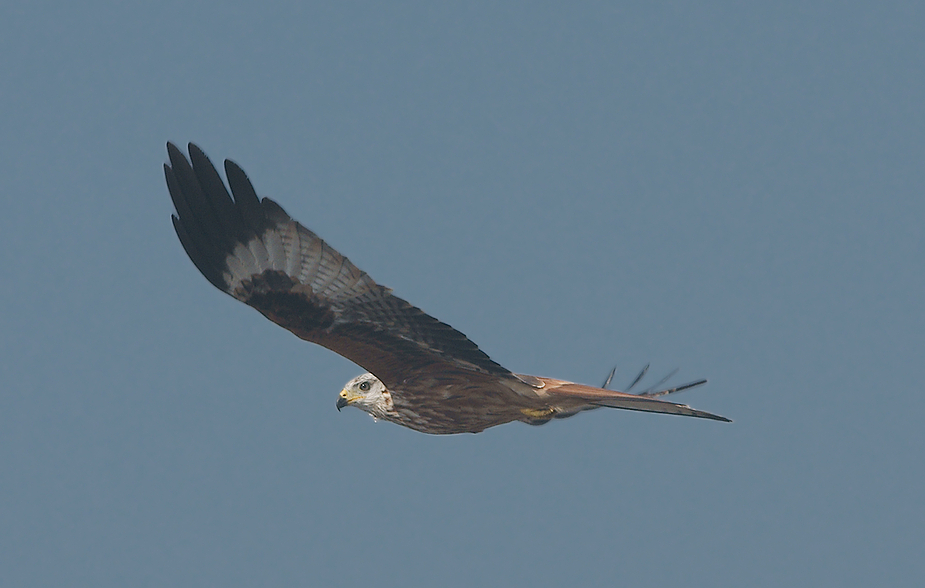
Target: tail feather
<point>646,404</point>
<point>568,393</point>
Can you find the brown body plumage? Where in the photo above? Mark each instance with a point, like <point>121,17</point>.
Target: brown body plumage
<point>436,380</point>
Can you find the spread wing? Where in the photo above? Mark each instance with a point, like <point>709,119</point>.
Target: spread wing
<point>252,250</point>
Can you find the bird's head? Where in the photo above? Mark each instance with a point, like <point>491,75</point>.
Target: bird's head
<point>368,394</point>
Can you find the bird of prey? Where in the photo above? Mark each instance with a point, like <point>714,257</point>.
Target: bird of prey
<point>423,374</point>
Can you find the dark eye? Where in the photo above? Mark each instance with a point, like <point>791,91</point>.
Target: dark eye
<point>364,386</point>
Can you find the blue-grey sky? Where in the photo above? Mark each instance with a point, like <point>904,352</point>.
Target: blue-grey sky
<point>736,190</point>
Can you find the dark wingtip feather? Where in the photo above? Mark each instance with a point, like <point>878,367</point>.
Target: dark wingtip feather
<point>211,272</point>
<point>206,222</point>
<point>245,197</point>
<point>641,375</point>
<point>653,391</point>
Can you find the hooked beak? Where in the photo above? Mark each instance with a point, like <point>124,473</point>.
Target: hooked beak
<point>345,399</point>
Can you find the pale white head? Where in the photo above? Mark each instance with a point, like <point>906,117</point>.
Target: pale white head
<point>368,394</point>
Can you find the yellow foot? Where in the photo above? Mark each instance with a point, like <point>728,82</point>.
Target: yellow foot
<point>538,413</point>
